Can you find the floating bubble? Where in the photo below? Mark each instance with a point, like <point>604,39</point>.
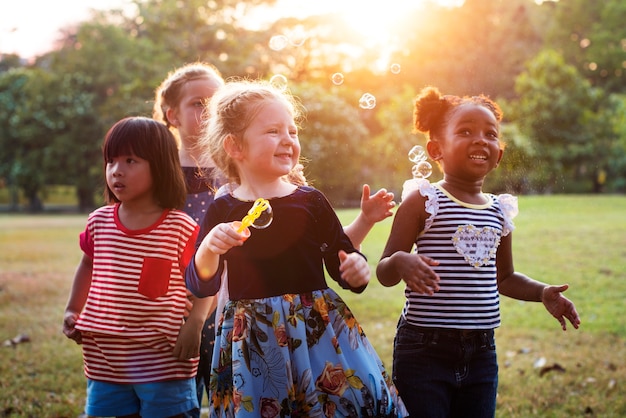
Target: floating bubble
<point>395,68</point>
<point>265,219</point>
<point>279,81</point>
<point>422,170</point>
<point>278,42</point>
<point>297,37</point>
<point>367,101</point>
<point>417,154</point>
<point>259,216</point>
<point>337,79</point>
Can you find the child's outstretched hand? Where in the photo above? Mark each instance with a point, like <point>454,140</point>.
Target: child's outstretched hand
<point>69,327</point>
<point>559,306</point>
<point>354,269</point>
<point>378,206</point>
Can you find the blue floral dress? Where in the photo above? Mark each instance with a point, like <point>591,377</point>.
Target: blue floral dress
<point>299,352</point>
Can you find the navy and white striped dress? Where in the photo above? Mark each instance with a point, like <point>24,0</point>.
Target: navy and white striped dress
<point>464,239</point>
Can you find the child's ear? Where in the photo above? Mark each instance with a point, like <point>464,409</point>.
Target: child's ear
<point>500,157</point>
<point>233,147</point>
<point>434,150</point>
<point>172,117</point>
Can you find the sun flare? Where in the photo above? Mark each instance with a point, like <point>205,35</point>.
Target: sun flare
<point>373,21</point>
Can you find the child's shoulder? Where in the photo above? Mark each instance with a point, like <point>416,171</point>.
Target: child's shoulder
<point>180,216</point>
<point>102,212</point>
<point>423,188</point>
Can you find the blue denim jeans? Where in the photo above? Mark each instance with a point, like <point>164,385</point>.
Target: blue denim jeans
<point>445,372</point>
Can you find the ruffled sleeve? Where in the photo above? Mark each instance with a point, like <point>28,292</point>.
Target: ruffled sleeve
<point>427,190</point>
<point>508,204</point>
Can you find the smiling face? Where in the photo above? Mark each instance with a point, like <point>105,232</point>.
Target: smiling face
<point>470,146</point>
<point>271,147</point>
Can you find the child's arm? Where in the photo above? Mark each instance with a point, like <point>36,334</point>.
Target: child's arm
<point>397,261</point>
<point>188,342</point>
<point>519,286</point>
<point>218,241</point>
<point>77,298</point>
<point>374,209</point>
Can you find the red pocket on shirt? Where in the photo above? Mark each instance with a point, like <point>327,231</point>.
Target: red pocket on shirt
<point>155,277</point>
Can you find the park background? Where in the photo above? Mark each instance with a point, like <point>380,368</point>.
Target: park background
<point>558,69</point>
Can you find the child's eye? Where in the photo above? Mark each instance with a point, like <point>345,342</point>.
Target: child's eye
<point>198,104</point>
<point>493,135</point>
<point>130,160</point>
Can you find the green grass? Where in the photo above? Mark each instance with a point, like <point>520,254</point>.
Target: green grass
<point>580,240</point>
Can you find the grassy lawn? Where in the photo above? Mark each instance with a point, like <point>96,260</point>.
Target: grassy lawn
<point>545,372</point>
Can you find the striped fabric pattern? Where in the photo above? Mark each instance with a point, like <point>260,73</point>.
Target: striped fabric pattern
<point>463,238</point>
<point>136,301</point>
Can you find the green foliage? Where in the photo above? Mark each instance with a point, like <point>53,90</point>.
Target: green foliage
<point>556,110</point>
<point>591,35</point>
<point>332,132</point>
<point>564,118</point>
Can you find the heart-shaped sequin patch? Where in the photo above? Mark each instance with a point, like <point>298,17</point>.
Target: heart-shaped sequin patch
<point>476,245</point>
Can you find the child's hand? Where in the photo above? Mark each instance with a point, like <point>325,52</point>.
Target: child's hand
<point>415,270</point>
<point>223,237</point>
<point>559,306</point>
<point>378,206</point>
<point>188,304</point>
<point>69,327</point>
<point>188,341</point>
<point>354,269</point>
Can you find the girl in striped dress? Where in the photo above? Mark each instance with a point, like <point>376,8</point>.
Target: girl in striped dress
<point>128,298</point>
<point>444,361</point>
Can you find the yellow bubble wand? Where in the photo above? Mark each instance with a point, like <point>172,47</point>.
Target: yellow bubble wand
<point>254,213</point>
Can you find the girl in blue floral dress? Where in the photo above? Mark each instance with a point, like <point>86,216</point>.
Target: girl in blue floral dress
<point>286,345</point>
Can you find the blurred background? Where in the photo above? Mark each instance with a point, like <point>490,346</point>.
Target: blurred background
<point>557,68</point>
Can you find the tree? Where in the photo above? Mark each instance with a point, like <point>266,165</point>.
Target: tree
<point>556,111</point>
<point>591,36</point>
<point>479,47</point>
<point>333,140</point>
<point>27,122</point>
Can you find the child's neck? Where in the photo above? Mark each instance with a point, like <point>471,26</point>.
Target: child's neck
<point>187,159</point>
<point>253,191</point>
<point>465,190</point>
<point>139,215</point>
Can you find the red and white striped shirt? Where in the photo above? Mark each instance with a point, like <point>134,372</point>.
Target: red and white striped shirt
<point>136,301</point>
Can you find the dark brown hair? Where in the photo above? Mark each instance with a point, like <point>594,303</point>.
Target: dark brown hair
<point>432,110</point>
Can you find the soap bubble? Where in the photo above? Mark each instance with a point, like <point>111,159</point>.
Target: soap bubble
<point>279,81</point>
<point>395,68</point>
<point>278,42</point>
<point>265,219</point>
<point>367,101</point>
<point>337,79</point>
<point>417,154</point>
<point>422,170</point>
<point>297,37</point>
